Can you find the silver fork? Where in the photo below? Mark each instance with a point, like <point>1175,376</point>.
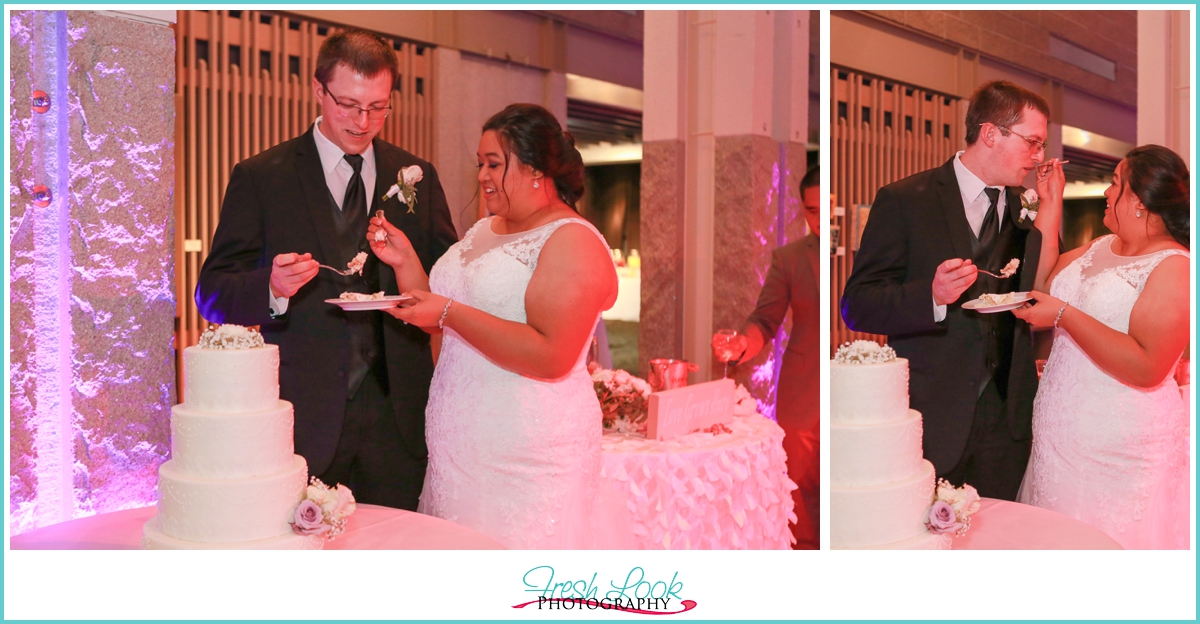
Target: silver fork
<point>342,273</point>
<point>992,274</point>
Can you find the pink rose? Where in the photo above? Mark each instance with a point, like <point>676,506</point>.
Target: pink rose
<point>967,502</point>
<point>345,502</point>
<point>308,519</point>
<point>941,518</point>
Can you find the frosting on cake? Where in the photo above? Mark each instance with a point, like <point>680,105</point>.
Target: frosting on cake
<point>881,487</point>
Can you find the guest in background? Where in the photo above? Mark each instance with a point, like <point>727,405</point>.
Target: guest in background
<point>1110,428</point>
<point>793,282</point>
<point>358,380</point>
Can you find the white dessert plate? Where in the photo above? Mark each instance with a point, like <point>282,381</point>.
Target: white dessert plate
<point>372,304</point>
<point>979,306</point>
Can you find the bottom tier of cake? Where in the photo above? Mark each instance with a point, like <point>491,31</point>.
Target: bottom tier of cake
<point>155,539</point>
<point>881,515</point>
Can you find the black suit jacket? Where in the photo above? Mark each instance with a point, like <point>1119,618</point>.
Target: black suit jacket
<point>916,224</point>
<point>278,202</point>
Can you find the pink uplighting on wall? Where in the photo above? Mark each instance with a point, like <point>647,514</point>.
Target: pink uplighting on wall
<point>92,269</point>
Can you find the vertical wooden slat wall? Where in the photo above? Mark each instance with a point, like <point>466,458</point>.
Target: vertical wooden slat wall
<point>882,131</point>
<point>243,84</point>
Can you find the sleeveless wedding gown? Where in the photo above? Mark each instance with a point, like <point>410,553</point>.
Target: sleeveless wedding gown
<point>513,457</point>
<point>1104,452</point>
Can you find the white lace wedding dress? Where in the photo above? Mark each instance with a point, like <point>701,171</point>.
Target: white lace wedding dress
<point>1104,452</point>
<point>512,457</point>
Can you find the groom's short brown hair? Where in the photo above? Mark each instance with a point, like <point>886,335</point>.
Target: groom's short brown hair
<point>1001,103</point>
<point>364,53</point>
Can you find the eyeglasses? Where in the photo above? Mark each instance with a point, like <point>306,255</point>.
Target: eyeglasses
<point>1034,145</point>
<point>350,110</point>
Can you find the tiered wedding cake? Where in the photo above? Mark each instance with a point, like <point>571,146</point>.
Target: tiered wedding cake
<point>233,480</point>
<point>881,486</point>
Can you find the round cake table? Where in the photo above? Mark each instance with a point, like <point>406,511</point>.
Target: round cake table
<point>698,491</point>
<point>370,528</point>
<point>1004,525</point>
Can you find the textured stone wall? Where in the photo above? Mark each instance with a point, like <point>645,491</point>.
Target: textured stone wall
<point>92,270</point>
<point>660,331</point>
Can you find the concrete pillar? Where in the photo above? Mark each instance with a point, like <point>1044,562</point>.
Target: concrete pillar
<point>91,278</point>
<point>724,128</point>
<point>1164,81</point>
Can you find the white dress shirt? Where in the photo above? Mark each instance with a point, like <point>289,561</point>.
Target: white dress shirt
<point>337,178</point>
<point>975,203</point>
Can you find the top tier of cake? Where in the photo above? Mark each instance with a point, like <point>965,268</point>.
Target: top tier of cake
<point>231,381</point>
<point>868,393</point>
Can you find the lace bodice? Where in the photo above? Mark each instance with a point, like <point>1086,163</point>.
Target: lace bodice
<point>1105,285</point>
<point>513,457</point>
<point>1105,452</point>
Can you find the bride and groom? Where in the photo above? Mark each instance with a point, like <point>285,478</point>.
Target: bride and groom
<point>510,416</point>
<point>1103,438</point>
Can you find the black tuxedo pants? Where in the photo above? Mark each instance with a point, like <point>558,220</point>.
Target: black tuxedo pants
<point>992,462</point>
<point>371,459</point>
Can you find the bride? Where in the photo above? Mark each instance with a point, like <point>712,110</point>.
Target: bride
<point>513,424</point>
<point>1110,429</point>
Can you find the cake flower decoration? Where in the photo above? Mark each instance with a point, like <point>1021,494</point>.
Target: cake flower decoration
<point>406,186</point>
<point>309,519</point>
<point>323,511</point>
<point>952,508</point>
<point>1029,205</point>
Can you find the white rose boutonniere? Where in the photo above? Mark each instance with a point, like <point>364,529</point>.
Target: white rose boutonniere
<point>1029,205</point>
<point>406,185</point>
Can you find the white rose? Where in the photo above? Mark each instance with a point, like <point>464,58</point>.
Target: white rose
<point>622,377</point>
<point>324,497</point>
<point>412,174</point>
<point>946,492</point>
<point>1030,196</point>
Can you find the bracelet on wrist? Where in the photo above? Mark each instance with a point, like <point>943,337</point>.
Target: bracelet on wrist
<point>1058,317</point>
<point>446,310</point>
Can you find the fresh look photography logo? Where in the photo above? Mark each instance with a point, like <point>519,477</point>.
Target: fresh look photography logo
<point>634,592</point>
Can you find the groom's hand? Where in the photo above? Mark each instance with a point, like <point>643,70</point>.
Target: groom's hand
<point>952,278</point>
<point>290,271</point>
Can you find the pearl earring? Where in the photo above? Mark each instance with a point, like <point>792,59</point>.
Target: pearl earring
<point>1138,214</point>
<point>535,184</point>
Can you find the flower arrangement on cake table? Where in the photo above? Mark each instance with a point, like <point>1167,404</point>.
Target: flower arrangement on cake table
<point>722,487</point>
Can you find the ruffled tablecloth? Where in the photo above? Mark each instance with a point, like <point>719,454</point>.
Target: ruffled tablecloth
<point>698,491</point>
<point>369,528</point>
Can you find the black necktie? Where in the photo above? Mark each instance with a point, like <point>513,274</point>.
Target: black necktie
<point>987,231</point>
<point>354,203</point>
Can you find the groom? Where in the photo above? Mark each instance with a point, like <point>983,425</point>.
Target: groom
<point>972,375</point>
<point>358,381</point>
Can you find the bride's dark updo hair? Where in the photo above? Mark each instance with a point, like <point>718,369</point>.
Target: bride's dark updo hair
<point>534,135</point>
<point>1160,179</point>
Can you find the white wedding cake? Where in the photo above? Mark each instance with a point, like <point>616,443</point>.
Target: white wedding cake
<point>233,480</point>
<point>881,487</point>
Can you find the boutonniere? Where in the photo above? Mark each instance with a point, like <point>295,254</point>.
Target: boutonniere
<point>406,186</point>
<point>1029,205</point>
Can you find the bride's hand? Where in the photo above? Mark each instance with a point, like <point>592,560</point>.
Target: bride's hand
<point>1050,184</point>
<point>424,313</point>
<point>396,249</point>
<point>1042,313</point>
